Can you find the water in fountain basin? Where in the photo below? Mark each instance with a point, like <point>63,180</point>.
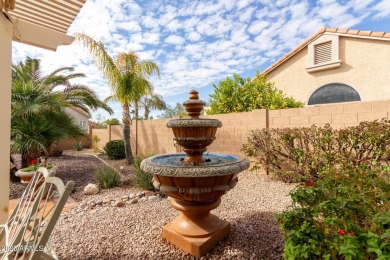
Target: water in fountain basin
<point>210,159</point>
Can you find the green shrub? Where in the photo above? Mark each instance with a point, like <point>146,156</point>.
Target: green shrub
<point>143,179</point>
<point>95,141</point>
<point>78,146</point>
<point>295,154</point>
<point>343,215</point>
<point>115,150</point>
<point>107,177</point>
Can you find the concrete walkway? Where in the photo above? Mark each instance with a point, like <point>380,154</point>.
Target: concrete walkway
<point>70,204</point>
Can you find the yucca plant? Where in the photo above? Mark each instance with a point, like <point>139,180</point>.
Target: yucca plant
<point>107,177</point>
<point>143,180</point>
<point>78,146</point>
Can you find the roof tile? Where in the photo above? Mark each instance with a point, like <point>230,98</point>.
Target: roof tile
<point>377,34</point>
<point>331,29</point>
<point>354,32</point>
<point>365,33</point>
<point>342,30</point>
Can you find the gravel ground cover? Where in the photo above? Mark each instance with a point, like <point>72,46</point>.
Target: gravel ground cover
<point>134,231</point>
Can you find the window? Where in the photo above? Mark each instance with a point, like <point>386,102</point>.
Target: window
<point>334,93</point>
<point>323,53</point>
<point>83,124</point>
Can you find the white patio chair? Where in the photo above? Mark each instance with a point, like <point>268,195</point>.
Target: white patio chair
<point>26,232</point>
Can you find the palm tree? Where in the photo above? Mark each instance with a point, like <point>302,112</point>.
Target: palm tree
<point>37,120</point>
<point>75,95</point>
<point>38,117</point>
<point>152,101</point>
<point>128,77</point>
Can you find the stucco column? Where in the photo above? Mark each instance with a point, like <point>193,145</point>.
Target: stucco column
<point>5,112</point>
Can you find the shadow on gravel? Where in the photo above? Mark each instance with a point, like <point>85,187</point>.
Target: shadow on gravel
<point>254,236</point>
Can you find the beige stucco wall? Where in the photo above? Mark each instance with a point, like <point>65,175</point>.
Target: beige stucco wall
<point>154,136</point>
<point>364,66</point>
<point>77,117</point>
<point>5,108</point>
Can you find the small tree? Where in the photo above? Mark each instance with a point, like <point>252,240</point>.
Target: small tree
<point>170,112</point>
<point>243,95</point>
<point>112,121</point>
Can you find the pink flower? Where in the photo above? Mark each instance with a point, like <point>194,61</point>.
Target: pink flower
<point>342,232</point>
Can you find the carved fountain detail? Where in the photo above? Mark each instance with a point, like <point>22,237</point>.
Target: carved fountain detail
<point>195,181</point>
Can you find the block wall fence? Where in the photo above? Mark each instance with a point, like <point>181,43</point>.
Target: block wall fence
<point>153,135</point>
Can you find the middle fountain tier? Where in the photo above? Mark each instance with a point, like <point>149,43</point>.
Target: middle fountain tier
<point>195,180</point>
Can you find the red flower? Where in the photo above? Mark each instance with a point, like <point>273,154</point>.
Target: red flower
<point>342,232</point>
<point>309,183</point>
<point>33,162</point>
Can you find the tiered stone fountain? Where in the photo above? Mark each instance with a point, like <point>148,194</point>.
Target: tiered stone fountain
<point>195,181</point>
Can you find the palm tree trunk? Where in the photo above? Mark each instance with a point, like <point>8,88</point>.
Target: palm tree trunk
<point>146,114</point>
<point>136,108</point>
<point>126,132</point>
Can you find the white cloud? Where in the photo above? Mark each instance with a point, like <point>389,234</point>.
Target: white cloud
<point>174,39</point>
<point>383,9</point>
<point>194,36</point>
<point>197,43</point>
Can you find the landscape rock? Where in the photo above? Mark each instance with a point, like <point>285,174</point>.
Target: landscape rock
<point>143,199</point>
<point>92,204</point>
<point>133,201</point>
<point>99,202</point>
<point>119,203</point>
<point>106,201</point>
<point>132,196</point>
<point>124,198</point>
<point>91,189</point>
<point>153,198</point>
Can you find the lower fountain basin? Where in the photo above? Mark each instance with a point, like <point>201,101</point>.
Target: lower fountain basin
<point>213,165</point>
<point>205,182</point>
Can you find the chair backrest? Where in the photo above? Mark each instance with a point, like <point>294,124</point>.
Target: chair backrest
<point>28,228</point>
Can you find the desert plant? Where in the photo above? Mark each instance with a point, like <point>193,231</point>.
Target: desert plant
<point>128,77</point>
<point>239,94</point>
<point>95,141</point>
<point>38,116</point>
<point>107,177</point>
<point>343,215</point>
<point>143,180</point>
<point>78,146</point>
<point>294,154</point>
<point>115,150</point>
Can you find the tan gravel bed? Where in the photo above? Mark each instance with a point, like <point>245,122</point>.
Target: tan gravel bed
<point>135,230</point>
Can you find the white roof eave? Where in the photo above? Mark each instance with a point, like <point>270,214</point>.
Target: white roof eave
<point>39,36</point>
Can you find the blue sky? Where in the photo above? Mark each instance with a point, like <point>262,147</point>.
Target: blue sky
<point>198,43</point>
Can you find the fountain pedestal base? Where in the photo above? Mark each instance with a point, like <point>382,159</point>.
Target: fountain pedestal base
<point>196,231</point>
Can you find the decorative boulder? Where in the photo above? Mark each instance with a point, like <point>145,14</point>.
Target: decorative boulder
<point>91,189</point>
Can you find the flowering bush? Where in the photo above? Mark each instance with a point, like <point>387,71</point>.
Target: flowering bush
<point>296,154</point>
<point>343,215</point>
<point>34,165</point>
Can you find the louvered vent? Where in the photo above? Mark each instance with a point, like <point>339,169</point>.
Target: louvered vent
<point>323,52</point>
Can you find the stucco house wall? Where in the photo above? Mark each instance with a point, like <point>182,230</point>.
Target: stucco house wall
<point>79,119</point>
<point>364,66</point>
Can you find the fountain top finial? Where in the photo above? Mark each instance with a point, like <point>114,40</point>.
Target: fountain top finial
<point>194,94</point>
<point>193,105</point>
